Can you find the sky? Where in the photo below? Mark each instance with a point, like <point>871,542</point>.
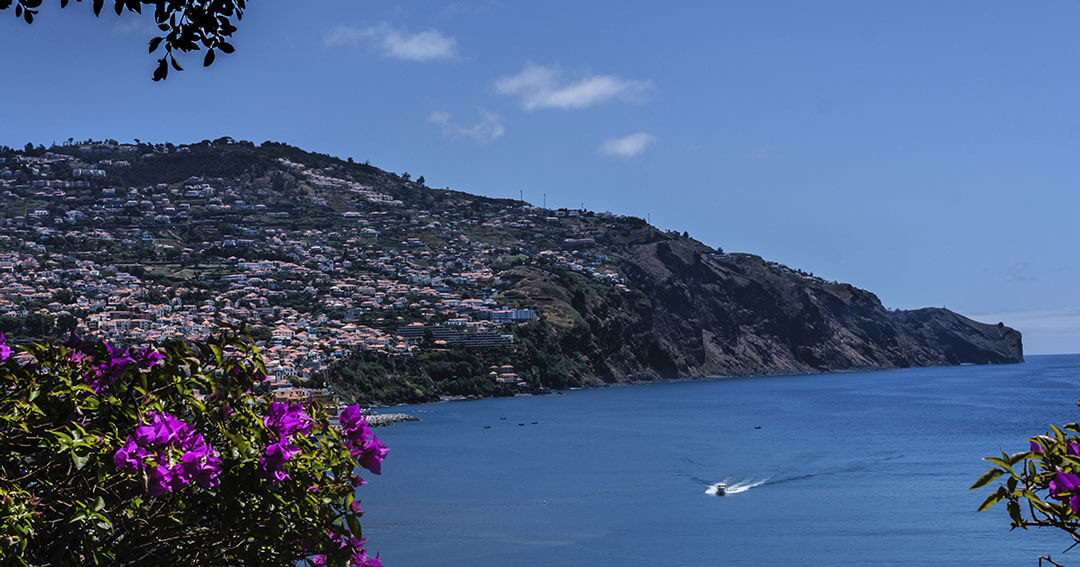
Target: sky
<point>926,151</point>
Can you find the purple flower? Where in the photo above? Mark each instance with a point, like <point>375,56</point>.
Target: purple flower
<point>1072,449</point>
<point>159,480</point>
<point>199,463</point>
<point>283,420</point>
<point>147,357</point>
<point>362,559</point>
<point>355,507</point>
<point>1035,447</point>
<point>103,375</point>
<point>352,419</point>
<point>362,443</point>
<point>1063,483</point>
<point>318,560</point>
<point>73,340</point>
<point>129,456</point>
<point>371,454</point>
<point>157,441</point>
<point>274,457</point>
<point>163,429</point>
<point>118,358</point>
<point>5,351</point>
<point>286,419</point>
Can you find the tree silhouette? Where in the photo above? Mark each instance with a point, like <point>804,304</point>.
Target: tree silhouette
<point>186,25</point>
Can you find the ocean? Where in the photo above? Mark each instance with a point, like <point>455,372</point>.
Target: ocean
<point>861,468</point>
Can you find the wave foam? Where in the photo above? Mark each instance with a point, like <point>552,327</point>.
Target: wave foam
<point>735,487</point>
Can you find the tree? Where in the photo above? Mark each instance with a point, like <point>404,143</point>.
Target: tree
<point>1042,484</point>
<point>185,25</point>
<point>140,458</point>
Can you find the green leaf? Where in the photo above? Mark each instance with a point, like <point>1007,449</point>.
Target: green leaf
<point>155,42</point>
<point>986,478</point>
<point>1017,457</point>
<point>226,47</point>
<point>1000,462</point>
<point>1014,512</point>
<point>209,59</point>
<point>354,525</point>
<point>994,498</point>
<point>240,442</point>
<point>80,456</point>
<point>1057,433</point>
<point>216,350</point>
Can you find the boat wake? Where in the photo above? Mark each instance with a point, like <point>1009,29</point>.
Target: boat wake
<point>735,487</point>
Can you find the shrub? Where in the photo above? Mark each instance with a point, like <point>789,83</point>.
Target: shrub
<point>1042,484</point>
<point>141,457</point>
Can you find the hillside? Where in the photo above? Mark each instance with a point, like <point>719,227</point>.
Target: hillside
<point>394,291</point>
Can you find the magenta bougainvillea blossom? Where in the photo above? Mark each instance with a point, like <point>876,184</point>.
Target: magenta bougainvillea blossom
<point>101,376</point>
<point>171,454</point>
<point>1065,486</point>
<point>5,351</point>
<point>286,419</point>
<point>358,556</point>
<point>362,443</point>
<point>282,420</point>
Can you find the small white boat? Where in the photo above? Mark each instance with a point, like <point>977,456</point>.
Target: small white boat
<point>721,488</point>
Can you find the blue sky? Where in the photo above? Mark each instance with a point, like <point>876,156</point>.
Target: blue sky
<point>925,151</point>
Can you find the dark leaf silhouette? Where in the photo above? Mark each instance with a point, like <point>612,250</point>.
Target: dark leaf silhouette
<point>188,25</point>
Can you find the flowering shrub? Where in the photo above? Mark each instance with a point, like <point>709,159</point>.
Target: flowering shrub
<point>1042,484</point>
<point>148,457</point>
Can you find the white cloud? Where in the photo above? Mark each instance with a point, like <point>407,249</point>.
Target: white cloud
<point>627,146</point>
<point>1018,272</point>
<point>392,42</point>
<point>128,26</point>
<point>543,87</point>
<point>488,129</point>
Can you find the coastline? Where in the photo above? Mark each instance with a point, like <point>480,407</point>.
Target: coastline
<point>392,418</point>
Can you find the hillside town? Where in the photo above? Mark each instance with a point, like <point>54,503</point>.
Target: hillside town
<point>318,265</point>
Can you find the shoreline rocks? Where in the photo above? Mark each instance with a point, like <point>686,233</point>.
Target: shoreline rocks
<point>386,419</point>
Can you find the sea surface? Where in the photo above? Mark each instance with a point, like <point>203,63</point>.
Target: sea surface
<point>868,468</point>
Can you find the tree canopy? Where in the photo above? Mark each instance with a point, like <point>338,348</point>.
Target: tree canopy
<point>185,25</point>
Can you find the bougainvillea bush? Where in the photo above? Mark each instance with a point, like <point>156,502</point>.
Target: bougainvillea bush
<point>166,456</point>
<point>1042,484</point>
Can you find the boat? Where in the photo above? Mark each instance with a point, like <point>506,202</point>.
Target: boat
<point>721,488</point>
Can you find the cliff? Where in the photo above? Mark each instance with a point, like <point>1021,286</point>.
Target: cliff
<point>691,311</point>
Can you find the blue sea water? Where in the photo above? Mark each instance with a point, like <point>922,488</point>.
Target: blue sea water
<point>868,468</point>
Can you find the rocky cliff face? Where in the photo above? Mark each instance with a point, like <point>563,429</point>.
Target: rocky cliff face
<point>692,311</point>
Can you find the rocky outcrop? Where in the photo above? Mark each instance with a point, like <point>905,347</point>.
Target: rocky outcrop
<point>692,311</point>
